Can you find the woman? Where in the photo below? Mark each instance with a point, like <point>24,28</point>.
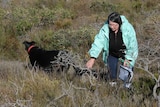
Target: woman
<point>117,39</point>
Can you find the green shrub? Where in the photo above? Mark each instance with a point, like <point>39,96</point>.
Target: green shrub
<point>144,85</point>
<point>99,6</point>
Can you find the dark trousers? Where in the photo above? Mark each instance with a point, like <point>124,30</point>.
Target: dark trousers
<point>113,67</point>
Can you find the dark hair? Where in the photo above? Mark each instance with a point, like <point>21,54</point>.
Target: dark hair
<point>115,17</point>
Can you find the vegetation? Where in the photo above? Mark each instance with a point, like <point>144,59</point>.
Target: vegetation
<point>71,25</point>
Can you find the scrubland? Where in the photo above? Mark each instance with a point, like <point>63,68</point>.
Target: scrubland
<point>71,25</point>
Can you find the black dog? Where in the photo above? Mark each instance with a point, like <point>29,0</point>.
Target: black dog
<point>42,58</point>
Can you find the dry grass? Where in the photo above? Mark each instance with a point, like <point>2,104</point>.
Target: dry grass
<point>20,86</point>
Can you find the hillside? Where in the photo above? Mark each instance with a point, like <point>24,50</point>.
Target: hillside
<point>72,25</point>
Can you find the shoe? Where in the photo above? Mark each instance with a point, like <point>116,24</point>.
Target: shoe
<point>127,85</point>
<point>113,84</point>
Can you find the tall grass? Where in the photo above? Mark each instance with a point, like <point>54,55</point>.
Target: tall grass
<point>21,86</point>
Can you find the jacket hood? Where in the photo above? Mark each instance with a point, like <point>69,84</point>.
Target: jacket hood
<point>124,19</point>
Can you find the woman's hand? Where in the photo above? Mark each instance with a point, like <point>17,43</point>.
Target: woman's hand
<point>90,63</point>
<point>126,63</point>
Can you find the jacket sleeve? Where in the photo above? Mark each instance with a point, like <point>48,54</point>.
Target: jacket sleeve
<point>99,42</point>
<point>132,46</point>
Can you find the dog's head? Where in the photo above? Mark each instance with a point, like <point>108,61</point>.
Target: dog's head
<point>28,44</point>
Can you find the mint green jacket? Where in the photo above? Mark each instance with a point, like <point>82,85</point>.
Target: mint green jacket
<point>101,42</point>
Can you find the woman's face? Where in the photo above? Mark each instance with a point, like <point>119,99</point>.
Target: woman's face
<point>114,26</point>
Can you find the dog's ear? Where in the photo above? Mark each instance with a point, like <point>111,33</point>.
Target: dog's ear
<point>24,42</point>
<point>30,43</point>
<point>33,42</point>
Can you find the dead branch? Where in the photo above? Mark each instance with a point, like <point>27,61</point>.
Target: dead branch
<point>149,55</point>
